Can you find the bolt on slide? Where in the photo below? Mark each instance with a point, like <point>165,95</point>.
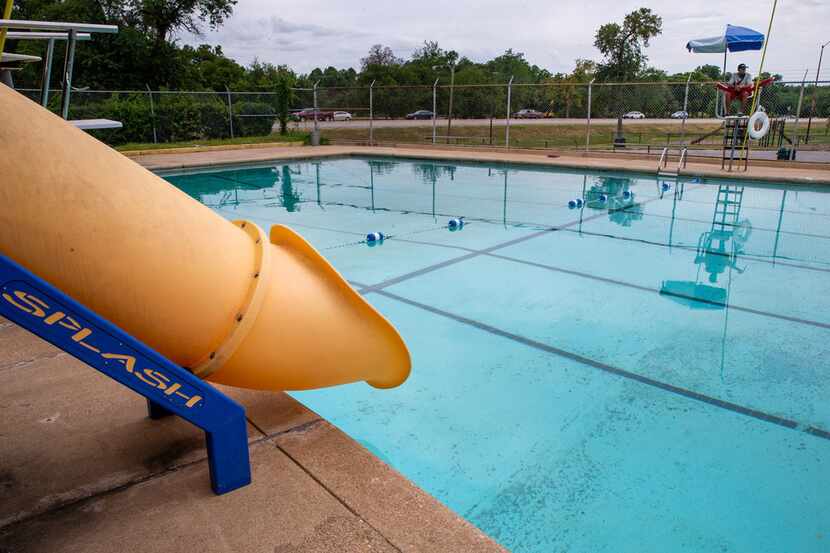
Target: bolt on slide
<point>225,300</point>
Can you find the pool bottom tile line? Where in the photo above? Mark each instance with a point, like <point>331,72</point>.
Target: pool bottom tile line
<point>631,285</point>
<point>671,388</point>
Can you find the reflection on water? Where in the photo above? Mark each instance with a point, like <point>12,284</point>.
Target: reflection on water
<point>619,199</point>
<point>382,167</point>
<point>289,197</point>
<point>431,172</point>
<point>718,250</point>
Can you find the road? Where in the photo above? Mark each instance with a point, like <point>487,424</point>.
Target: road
<point>404,123</point>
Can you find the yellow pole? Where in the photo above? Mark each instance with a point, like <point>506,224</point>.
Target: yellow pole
<point>755,95</point>
<point>7,14</point>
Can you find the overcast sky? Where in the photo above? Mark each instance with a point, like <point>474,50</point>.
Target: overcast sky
<point>552,33</point>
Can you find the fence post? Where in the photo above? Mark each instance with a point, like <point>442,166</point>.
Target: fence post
<point>794,149</point>
<point>507,127</point>
<point>371,115</point>
<point>435,109</point>
<point>152,114</point>
<point>588,120</point>
<point>449,111</point>
<point>47,72</point>
<point>230,111</point>
<point>815,92</point>
<point>685,111</point>
<point>314,93</point>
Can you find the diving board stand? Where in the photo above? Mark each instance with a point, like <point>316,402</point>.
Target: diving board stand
<point>42,309</point>
<point>51,31</point>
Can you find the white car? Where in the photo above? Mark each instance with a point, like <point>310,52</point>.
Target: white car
<point>634,115</point>
<point>679,115</point>
<point>342,116</point>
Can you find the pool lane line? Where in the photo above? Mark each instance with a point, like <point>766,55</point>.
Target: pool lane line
<point>684,392</point>
<point>709,224</point>
<point>475,253</point>
<point>631,285</point>
<point>519,225</point>
<point>748,257</point>
<point>745,257</point>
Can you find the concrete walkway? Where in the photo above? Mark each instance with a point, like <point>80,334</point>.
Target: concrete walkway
<point>83,470</point>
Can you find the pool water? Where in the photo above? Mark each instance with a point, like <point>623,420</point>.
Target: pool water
<point>646,373</point>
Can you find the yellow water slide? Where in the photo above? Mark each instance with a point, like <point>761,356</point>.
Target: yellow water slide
<point>234,305</point>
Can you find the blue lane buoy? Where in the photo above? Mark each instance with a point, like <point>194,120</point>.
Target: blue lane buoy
<point>603,198</point>
<point>374,238</point>
<point>664,187</point>
<point>696,180</point>
<point>572,204</point>
<point>579,202</point>
<point>627,194</point>
<point>456,223</point>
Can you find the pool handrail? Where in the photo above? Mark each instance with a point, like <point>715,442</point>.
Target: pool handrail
<point>663,159</point>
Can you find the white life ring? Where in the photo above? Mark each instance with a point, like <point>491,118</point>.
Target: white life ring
<point>758,134</point>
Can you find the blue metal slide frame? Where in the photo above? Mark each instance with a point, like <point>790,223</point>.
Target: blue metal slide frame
<point>42,309</point>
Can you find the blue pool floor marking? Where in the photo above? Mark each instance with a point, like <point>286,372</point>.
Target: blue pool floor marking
<point>45,311</point>
<point>689,394</point>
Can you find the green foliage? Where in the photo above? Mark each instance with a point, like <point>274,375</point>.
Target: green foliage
<point>284,100</point>
<point>253,118</point>
<point>176,117</point>
<point>622,45</point>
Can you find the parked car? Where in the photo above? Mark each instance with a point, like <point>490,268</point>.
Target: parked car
<point>420,114</point>
<point>528,114</point>
<point>307,114</point>
<point>634,115</point>
<point>680,115</point>
<point>342,116</point>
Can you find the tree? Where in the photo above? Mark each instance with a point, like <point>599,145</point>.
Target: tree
<point>207,67</point>
<point>430,55</point>
<point>711,72</point>
<point>568,91</point>
<point>622,45</point>
<point>380,55</point>
<point>160,18</point>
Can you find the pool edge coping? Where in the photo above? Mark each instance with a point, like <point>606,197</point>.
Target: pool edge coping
<point>235,157</point>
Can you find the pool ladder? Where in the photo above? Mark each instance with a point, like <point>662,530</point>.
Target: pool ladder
<point>662,165</point>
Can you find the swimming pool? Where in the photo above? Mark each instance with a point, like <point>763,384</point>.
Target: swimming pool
<point>578,381</point>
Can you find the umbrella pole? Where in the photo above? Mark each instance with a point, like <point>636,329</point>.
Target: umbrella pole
<point>722,94</point>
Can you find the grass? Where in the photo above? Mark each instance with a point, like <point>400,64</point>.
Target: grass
<point>290,137</point>
<point>559,136</point>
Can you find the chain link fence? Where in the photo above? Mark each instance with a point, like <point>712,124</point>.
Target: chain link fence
<point>562,115</point>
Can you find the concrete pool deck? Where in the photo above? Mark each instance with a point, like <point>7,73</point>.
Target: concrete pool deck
<point>82,469</point>
<point>802,173</point>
